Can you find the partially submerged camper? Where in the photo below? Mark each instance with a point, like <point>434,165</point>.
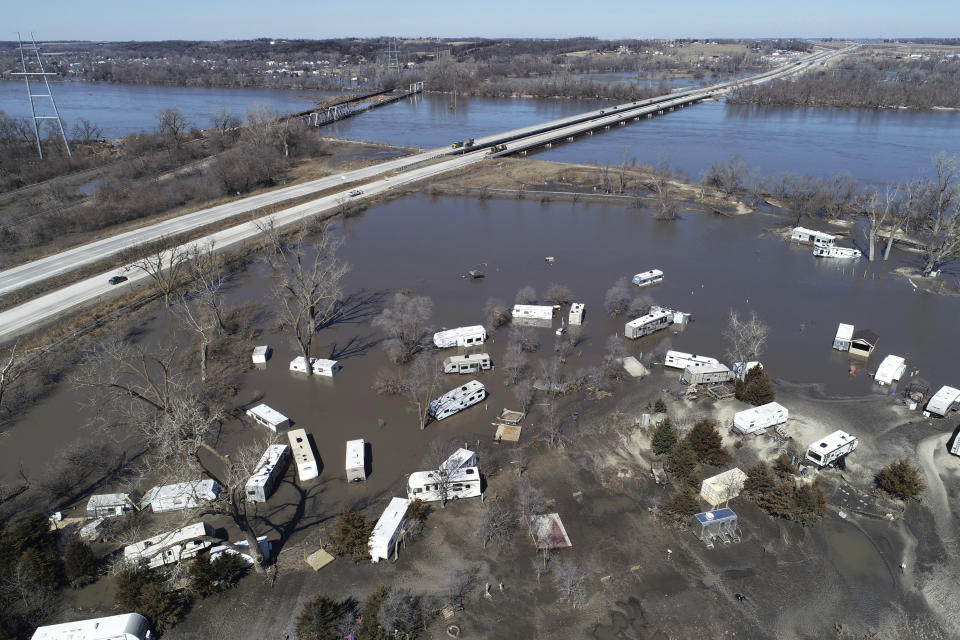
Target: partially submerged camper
<point>828,450</point>
<point>303,455</point>
<point>645,325</point>
<point>759,418</point>
<point>836,252</point>
<point>723,486</point>
<point>320,366</point>
<point>109,505</point>
<point>356,463</point>
<point>679,317</point>
<point>182,495</point>
<point>459,459</point>
<point>170,547</point>
<point>576,314</point>
<point>681,360</point>
<point>648,277</point>
<point>944,401</point>
<point>457,400</point>
<point>269,471</point>
<point>809,236</point>
<point>843,338</point>
<point>269,418</point>
<point>431,486</point>
<point>261,354</point>
<point>383,538</point>
<point>890,370</point>
<point>706,374</point>
<point>863,343</point>
<point>469,363</point>
<point>460,337</point>
<point>127,626</point>
<point>532,311</point>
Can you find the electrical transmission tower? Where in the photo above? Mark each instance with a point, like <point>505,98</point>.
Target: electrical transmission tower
<point>35,50</point>
<point>393,56</point>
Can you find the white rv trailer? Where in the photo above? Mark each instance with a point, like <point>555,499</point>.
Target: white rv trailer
<point>836,252</point>
<point>459,459</point>
<point>758,418</point>
<point>460,337</point>
<point>828,450</point>
<point>383,538</point>
<point>532,311</point>
<point>320,366</point>
<point>707,374</point>
<point>740,369</point>
<point>576,314</point>
<point>170,547</point>
<point>645,325</point>
<point>261,354</point>
<point>356,461</point>
<point>269,471</point>
<point>428,485</point>
<point>681,360</point>
<point>944,401</point>
<point>303,455</point>
<point>890,370</point>
<point>128,626</point>
<point>457,399</point>
<point>269,418</point>
<point>679,317</point>
<point>844,335</point>
<point>182,495</point>
<point>470,363</point>
<point>809,236</point>
<point>648,277</point>
<point>109,505</point>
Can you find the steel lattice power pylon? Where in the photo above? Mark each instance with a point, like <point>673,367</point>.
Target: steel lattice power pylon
<point>27,73</point>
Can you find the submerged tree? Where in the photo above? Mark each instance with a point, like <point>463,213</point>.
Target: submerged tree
<point>405,321</point>
<point>746,337</point>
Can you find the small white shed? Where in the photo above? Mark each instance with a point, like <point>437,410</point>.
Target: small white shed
<point>723,487</point>
<point>320,366</point>
<point>844,335</point>
<point>261,354</point>
<point>269,418</point>
<point>356,463</point>
<point>383,539</point>
<point>576,314</point>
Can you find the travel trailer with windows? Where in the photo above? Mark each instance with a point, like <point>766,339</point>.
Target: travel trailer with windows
<point>356,461</point>
<point>681,360</point>
<point>460,337</point>
<point>576,314</point>
<point>171,547</point>
<point>648,277</point>
<point>470,363</point>
<point>679,317</point>
<point>269,472</point>
<point>109,505</point>
<point>428,485</point>
<point>182,495</point>
<point>843,338</point>
<point>269,418</point>
<point>457,400</point>
<point>645,325</point>
<point>890,370</point>
<point>809,236</point>
<point>303,455</point>
<point>944,401</point>
<point>383,538</point>
<point>828,450</point>
<point>261,354</point>
<point>759,418</point>
<point>128,626</point>
<point>320,366</point>
<point>532,311</point>
<point>836,252</point>
<point>706,374</point>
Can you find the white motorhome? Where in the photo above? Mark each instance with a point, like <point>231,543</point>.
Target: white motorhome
<point>681,360</point>
<point>645,325</point>
<point>109,505</point>
<point>836,252</point>
<point>459,459</point>
<point>890,370</point>
<point>303,455</point>
<point>679,317</point>
<point>457,399</point>
<point>741,369</point>
<point>356,461</point>
<point>844,335</point>
<point>127,626</point>
<point>320,366</point>
<point>170,547</point>
<point>269,471</point>
<point>706,374</point>
<point>809,236</point>
<point>383,538</point>
<point>469,363</point>
<point>269,418</point>
<point>944,401</point>
<point>648,277</point>
<point>532,311</point>
<point>182,495</point>
<point>428,486</point>
<point>759,418</point>
<point>576,314</point>
<point>261,354</point>
<point>460,337</point>
<point>828,450</point>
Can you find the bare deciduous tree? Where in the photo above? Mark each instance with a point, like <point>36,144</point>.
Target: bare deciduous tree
<point>524,392</point>
<point>498,521</point>
<point>729,177</point>
<point>85,131</point>
<point>424,382</point>
<point>524,337</point>
<point>526,295</point>
<point>496,313</point>
<point>441,475</point>
<point>879,211</point>
<point>518,458</point>
<point>173,124</point>
<point>10,372</point>
<point>569,581</point>
<point>617,299</point>
<point>746,337</point>
<point>939,215</point>
<point>558,294</point>
<point>165,268</point>
<point>514,363</point>
<point>406,322</point>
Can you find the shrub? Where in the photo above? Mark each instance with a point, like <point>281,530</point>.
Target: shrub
<point>682,504</point>
<point>320,618</point>
<point>805,505</point>
<point>663,438</point>
<point>350,536</point>
<point>660,406</point>
<point>79,563</point>
<point>681,462</point>
<point>707,443</point>
<point>370,611</point>
<point>228,568</point>
<point>759,480</point>
<point>202,576</point>
<point>783,466</point>
<point>140,589</point>
<point>902,479</point>
<point>756,388</point>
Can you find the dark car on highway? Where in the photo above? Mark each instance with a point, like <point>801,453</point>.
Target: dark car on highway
<point>117,279</point>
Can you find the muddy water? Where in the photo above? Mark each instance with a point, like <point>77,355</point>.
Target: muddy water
<point>424,244</point>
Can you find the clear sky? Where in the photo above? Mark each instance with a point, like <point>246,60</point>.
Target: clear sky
<point>243,19</point>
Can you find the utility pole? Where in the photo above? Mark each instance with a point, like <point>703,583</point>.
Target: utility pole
<point>26,73</point>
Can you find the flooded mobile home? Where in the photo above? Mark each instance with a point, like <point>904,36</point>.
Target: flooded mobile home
<point>681,360</point>
<point>679,317</point>
<point>706,374</point>
<point>944,401</point>
<point>759,418</point>
<point>261,354</point>
<point>841,342</point>
<point>170,547</point>
<point>468,363</point>
<point>383,538</point>
<point>645,325</point>
<point>837,252</point>
<point>809,236</point>
<point>109,505</point>
<point>269,418</point>
<point>430,486</point>
<point>460,337</point>
<point>303,456</point>
<point>457,400</point>
<point>356,461</point>
<point>319,366</point>
<point>576,314</point>
<point>648,278</point>
<point>268,473</point>
<point>890,370</point>
<point>532,312</point>
<point>182,495</point>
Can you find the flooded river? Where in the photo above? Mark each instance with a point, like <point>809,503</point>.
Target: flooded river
<point>423,244</point>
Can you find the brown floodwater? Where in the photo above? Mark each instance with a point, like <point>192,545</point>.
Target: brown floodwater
<point>424,244</point>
